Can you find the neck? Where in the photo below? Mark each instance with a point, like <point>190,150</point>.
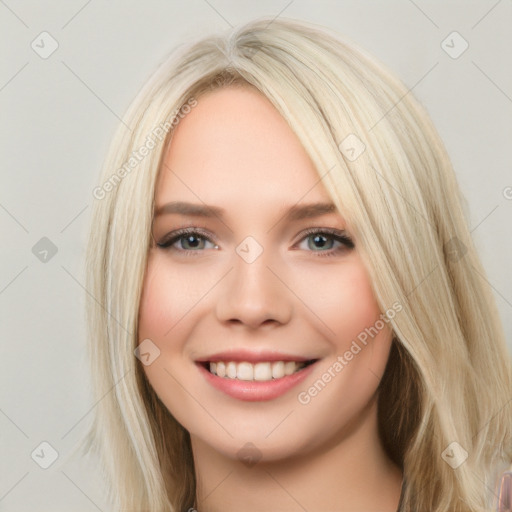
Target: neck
<point>352,474</point>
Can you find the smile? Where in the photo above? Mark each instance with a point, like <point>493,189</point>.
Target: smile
<point>259,381</point>
<point>262,371</point>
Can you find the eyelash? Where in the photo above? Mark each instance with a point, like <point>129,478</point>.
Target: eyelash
<point>336,235</point>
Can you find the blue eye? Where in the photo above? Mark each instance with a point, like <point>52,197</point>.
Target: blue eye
<point>323,241</point>
<point>190,240</point>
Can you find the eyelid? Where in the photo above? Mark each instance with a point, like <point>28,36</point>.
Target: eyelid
<point>339,234</point>
<point>172,237</point>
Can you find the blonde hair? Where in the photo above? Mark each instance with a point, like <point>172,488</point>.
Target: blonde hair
<point>448,379</point>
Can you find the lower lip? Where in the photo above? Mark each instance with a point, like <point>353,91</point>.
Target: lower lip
<point>255,391</point>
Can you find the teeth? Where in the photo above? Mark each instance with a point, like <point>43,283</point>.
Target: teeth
<point>263,371</point>
<point>231,370</point>
<point>289,367</point>
<point>220,370</point>
<point>278,370</point>
<point>259,371</point>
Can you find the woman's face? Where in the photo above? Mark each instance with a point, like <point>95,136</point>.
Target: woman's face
<point>263,281</point>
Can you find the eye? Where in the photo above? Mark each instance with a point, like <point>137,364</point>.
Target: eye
<point>326,241</point>
<point>187,240</point>
<point>323,241</point>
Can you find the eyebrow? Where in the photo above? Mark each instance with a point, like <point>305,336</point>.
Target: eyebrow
<point>294,213</point>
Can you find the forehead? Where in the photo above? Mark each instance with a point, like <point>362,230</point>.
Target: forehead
<point>234,146</point>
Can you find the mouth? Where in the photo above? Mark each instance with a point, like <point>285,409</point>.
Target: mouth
<point>262,371</point>
<point>256,381</point>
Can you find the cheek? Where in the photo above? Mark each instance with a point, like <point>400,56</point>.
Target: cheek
<point>154,321</point>
<point>168,296</point>
<point>156,298</point>
<point>171,303</point>
<point>355,317</point>
<point>166,318</point>
<point>160,310</point>
<point>348,303</point>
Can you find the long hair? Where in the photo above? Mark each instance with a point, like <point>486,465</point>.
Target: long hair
<point>446,390</point>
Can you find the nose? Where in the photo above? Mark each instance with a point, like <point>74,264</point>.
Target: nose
<point>253,296</point>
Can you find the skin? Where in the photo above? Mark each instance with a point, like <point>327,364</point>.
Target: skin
<point>235,151</point>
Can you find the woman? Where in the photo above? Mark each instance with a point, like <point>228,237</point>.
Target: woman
<point>289,313</point>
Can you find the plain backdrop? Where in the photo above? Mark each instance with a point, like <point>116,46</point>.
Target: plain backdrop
<point>59,113</point>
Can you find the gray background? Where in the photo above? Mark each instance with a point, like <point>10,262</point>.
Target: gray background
<point>59,114</point>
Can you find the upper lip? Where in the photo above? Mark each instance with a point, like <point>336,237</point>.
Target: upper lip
<point>252,356</point>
